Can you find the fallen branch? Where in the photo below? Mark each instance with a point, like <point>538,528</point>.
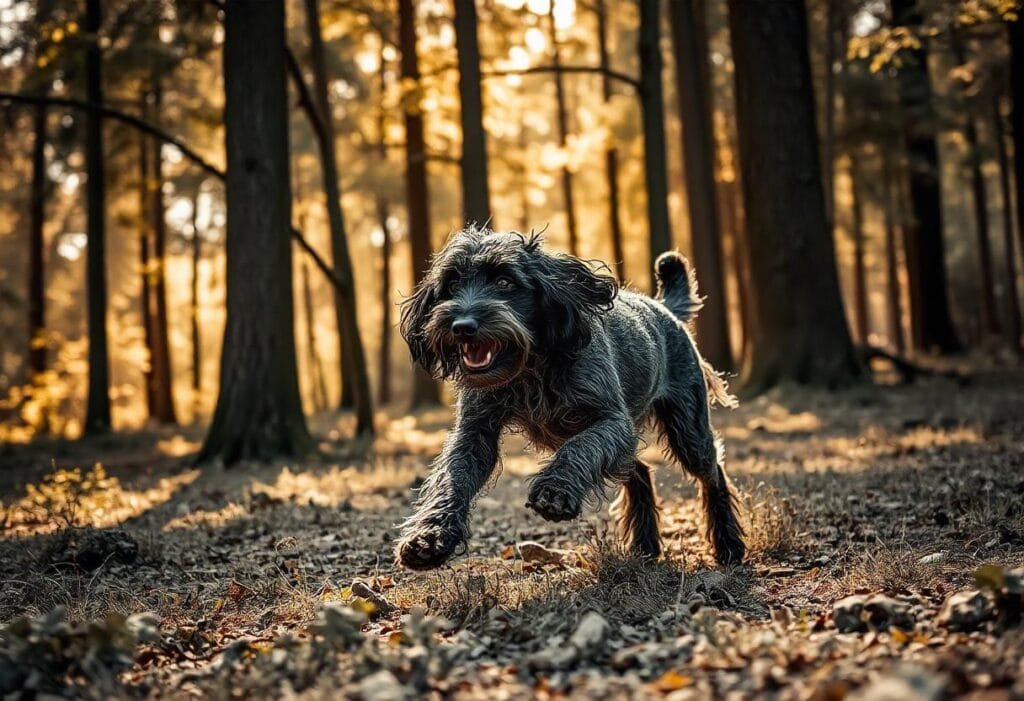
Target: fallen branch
<point>905,368</point>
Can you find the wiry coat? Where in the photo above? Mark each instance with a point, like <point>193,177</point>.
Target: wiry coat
<point>542,343</point>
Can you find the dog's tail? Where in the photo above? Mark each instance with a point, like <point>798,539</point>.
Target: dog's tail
<point>677,285</point>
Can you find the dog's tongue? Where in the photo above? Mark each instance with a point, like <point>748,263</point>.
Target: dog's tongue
<point>477,355</point>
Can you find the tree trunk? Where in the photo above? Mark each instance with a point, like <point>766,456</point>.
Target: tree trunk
<point>384,366</point>
<point>926,260</point>
<point>828,138</point>
<point>476,205</point>
<point>1016,39</point>
<point>693,85</point>
<point>316,372</point>
<point>197,368</point>
<point>892,215</point>
<point>989,314</point>
<point>425,391</point>
<point>860,293</point>
<point>653,109</point>
<point>1013,322</point>
<point>611,155</point>
<point>800,332</point>
<point>259,412</point>
<point>563,133</point>
<point>97,413</point>
<point>36,282</point>
<point>353,358</point>
<point>146,271</point>
<point>163,407</point>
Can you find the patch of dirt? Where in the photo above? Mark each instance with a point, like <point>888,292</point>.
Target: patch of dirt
<point>884,525</point>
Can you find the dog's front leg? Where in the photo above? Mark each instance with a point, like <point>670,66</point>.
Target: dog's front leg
<point>441,522</point>
<point>604,452</point>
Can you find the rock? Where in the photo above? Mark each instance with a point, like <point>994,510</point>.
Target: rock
<point>846,614</point>
<point>883,612</point>
<point>382,606</point>
<point>586,640</point>
<point>382,686</point>
<point>965,611</point>
<point>590,633</point>
<point>906,683</point>
<point>531,551</point>
<point>98,547</point>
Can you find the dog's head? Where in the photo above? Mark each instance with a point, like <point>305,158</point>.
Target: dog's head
<point>491,301</point>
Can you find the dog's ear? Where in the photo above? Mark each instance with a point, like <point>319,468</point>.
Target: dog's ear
<point>415,315</point>
<point>569,293</point>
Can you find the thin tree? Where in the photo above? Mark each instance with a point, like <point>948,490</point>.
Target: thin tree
<point>353,358</point>
<point>145,268</point>
<point>693,86</point>
<point>36,262</point>
<point>860,287</point>
<point>316,371</point>
<point>892,214</point>
<point>476,205</point>
<point>259,412</point>
<point>196,246</point>
<point>1013,319</point>
<point>562,115</point>
<point>97,412</point>
<point>799,332</point>
<point>611,154</point>
<point>653,111</point>
<point>163,397</point>
<point>1015,31</point>
<point>383,216</point>
<point>425,391</point>
<point>926,259</point>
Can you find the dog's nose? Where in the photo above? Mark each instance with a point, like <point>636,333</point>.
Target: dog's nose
<point>465,327</point>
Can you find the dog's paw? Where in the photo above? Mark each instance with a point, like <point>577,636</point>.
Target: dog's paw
<point>427,548</point>
<point>729,550</point>
<point>553,503</point>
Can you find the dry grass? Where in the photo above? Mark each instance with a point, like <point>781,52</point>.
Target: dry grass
<point>772,523</point>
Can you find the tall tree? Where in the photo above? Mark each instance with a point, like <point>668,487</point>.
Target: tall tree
<point>860,287</point>
<point>653,109</point>
<point>611,154</point>
<point>1013,319</point>
<point>36,285</point>
<point>425,391</point>
<point>196,246</point>
<point>926,259</point>
<point>799,332</point>
<point>693,86</point>
<point>145,268</point>
<point>97,412</point>
<point>383,216</point>
<point>476,205</point>
<point>353,357</point>
<point>163,390</point>
<point>1016,40</point>
<point>892,214</point>
<point>562,114</point>
<point>259,413</point>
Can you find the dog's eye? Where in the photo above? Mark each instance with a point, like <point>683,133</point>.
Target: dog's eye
<point>454,286</point>
<point>503,283</point>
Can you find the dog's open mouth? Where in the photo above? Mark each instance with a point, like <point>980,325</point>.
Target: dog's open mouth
<point>478,356</point>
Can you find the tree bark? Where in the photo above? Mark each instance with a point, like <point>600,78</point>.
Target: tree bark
<point>611,155</point>
<point>384,365</point>
<point>425,390</point>
<point>163,407</point>
<point>145,273</point>
<point>653,110</point>
<point>693,86</point>
<point>1013,322</point>
<point>563,133</point>
<point>892,215</point>
<point>800,332</point>
<point>259,412</point>
<point>353,358</point>
<point>37,341</point>
<point>1016,40</point>
<point>197,367</point>
<point>923,236</point>
<point>316,372</point>
<point>476,205</point>
<point>97,413</point>
<point>828,138</point>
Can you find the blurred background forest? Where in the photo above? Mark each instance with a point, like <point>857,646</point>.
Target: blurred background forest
<point>190,185</point>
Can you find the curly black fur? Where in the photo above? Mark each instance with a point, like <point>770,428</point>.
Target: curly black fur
<point>547,344</point>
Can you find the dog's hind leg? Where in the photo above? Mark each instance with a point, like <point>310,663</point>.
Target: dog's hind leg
<point>636,513</point>
<point>685,421</point>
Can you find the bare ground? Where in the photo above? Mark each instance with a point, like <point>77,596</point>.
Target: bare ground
<point>910,492</point>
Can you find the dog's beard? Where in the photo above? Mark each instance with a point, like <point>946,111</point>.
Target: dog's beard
<point>493,357</point>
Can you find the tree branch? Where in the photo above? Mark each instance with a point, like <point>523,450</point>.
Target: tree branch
<point>614,75</point>
<point>148,128</point>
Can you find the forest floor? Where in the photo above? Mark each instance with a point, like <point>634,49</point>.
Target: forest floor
<point>277,581</point>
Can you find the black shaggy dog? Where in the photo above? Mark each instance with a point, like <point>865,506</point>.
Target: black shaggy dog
<point>540,342</point>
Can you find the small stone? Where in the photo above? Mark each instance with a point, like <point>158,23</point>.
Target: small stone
<point>884,612</point>
<point>964,611</point>
<point>846,614</point>
<point>382,686</point>
<point>590,633</point>
<point>907,683</point>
